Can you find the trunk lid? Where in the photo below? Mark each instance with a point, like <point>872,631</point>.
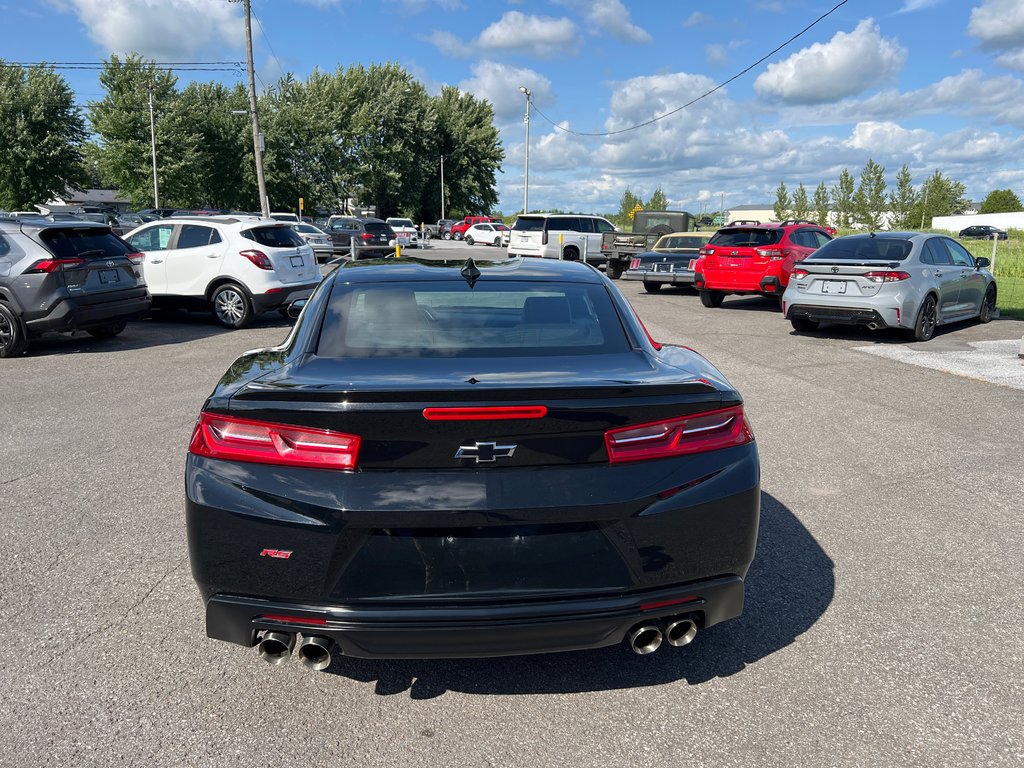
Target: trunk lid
<point>293,259</point>
<point>90,261</point>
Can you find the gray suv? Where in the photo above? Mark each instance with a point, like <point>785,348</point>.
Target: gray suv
<point>65,276</point>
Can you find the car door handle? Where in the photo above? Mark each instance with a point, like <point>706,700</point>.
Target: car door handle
<point>156,261</point>
<point>939,273</point>
<point>213,255</point>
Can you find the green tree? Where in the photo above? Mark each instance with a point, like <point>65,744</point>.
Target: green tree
<point>782,202</point>
<point>902,200</point>
<point>1001,201</point>
<point>627,203</point>
<point>842,199</point>
<point>658,201</point>
<point>820,203</point>
<point>869,202</point>
<point>801,205</point>
<point>939,196</point>
<point>41,136</point>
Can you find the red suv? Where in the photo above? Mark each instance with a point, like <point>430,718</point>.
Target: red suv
<point>753,258</point>
<point>459,230</point>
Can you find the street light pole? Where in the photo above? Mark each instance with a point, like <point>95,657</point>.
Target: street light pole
<point>152,136</point>
<point>257,149</point>
<point>442,186</point>
<point>526,175</point>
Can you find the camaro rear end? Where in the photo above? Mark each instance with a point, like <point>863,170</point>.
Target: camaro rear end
<point>478,460</point>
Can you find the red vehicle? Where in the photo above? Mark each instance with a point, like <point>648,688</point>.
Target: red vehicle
<point>459,230</point>
<point>753,258</point>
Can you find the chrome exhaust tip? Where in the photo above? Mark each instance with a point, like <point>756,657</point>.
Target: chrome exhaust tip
<point>315,652</point>
<point>275,647</point>
<point>644,639</point>
<point>680,632</point>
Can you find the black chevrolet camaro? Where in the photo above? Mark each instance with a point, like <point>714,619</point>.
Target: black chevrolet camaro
<point>459,459</point>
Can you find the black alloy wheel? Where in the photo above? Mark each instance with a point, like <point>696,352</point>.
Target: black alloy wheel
<point>470,241</point>
<point>927,319</point>
<point>988,306</point>
<point>497,242</point>
<point>13,334</point>
<point>712,298</point>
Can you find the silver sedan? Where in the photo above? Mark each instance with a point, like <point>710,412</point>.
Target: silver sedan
<point>914,281</point>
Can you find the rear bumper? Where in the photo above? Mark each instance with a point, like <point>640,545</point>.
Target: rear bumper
<point>262,302</point>
<point>73,315</point>
<point>843,315</point>
<point>762,285</point>
<point>665,278</point>
<point>483,630</point>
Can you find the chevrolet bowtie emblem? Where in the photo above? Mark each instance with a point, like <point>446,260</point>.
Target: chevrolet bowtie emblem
<point>484,452</point>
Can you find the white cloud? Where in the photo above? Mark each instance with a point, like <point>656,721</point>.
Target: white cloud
<point>909,6</point>
<point>539,36</point>
<point>889,137</point>
<point>449,43</point>
<point>697,19</point>
<point>998,24</point>
<point>161,30</point>
<point>499,84</point>
<point>850,63</point>
<point>610,16</point>
<point>1012,60</point>
<point>717,54</point>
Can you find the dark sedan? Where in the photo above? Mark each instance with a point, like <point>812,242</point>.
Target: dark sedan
<point>457,460</point>
<point>669,262</point>
<point>985,231</point>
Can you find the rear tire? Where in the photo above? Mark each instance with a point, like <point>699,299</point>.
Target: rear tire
<point>13,334</point>
<point>570,254</point>
<point>712,298</point>
<point>106,331</point>
<point>231,306</point>
<point>470,241</point>
<point>652,287</point>
<point>804,324</point>
<point>927,319</point>
<point>988,306</point>
<point>446,236</point>
<point>613,269</point>
<point>457,236</point>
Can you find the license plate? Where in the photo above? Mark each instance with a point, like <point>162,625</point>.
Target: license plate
<point>663,268</point>
<point>833,286</point>
<point>296,261</point>
<point>109,276</point>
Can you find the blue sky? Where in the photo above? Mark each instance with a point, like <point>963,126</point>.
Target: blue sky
<point>935,84</point>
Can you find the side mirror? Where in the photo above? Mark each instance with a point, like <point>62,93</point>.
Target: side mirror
<point>295,308</point>
<point>982,262</point>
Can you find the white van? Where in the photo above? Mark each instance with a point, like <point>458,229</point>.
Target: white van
<point>559,236</point>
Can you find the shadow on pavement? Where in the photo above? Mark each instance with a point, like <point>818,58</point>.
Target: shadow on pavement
<point>789,586</point>
<point>882,335</point>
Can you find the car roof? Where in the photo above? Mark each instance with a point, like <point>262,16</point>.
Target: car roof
<point>706,233</point>
<point>548,215</point>
<point>414,269</point>
<point>13,225</point>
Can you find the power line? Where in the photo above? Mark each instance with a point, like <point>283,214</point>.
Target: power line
<point>271,47</point>
<point>704,95</point>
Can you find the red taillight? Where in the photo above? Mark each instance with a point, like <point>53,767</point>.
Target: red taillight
<point>366,236</point>
<point>692,265</point>
<point>136,258</point>
<point>775,254</point>
<point>294,620</point>
<point>799,273</point>
<point>667,603</point>
<point>705,251</point>
<point>234,439</point>
<point>886,276</point>
<point>634,264</point>
<point>486,413</point>
<point>696,433</point>
<point>258,258</point>
<point>48,266</point>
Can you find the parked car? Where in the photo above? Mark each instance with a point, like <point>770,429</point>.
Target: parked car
<point>496,234</point>
<point>890,280</point>
<point>340,229</point>
<point>753,259</point>
<point>559,236</point>
<point>318,240</point>
<point>404,230</point>
<point>65,276</point>
<point>670,262</point>
<point>440,231</point>
<point>285,216</point>
<point>831,230</point>
<point>235,267</point>
<point>372,237</point>
<point>458,229</point>
<point>160,213</point>
<point>540,504</point>
<point>986,231</point>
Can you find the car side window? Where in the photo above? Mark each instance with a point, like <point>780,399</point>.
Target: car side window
<point>195,236</point>
<point>604,226</point>
<point>820,238</point>
<point>5,247</point>
<point>153,239</point>
<point>961,257</point>
<point>586,224</point>
<point>939,255</point>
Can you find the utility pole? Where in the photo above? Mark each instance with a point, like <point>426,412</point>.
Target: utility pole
<point>442,187</point>
<point>253,111</point>
<point>152,135</point>
<point>526,176</point>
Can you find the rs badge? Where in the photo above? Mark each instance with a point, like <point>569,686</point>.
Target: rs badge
<point>280,554</point>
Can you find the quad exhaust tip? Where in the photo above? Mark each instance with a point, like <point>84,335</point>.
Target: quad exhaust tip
<point>315,652</point>
<point>680,632</point>
<point>275,647</point>
<point>645,638</point>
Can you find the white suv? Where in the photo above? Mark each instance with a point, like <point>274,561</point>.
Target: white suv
<point>404,228</point>
<point>559,236</point>
<point>237,267</point>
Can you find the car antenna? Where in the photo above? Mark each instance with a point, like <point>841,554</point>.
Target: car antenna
<point>470,272</point>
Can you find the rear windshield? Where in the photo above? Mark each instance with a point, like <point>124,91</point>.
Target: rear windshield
<point>863,249</point>
<point>450,319</point>
<point>91,243</point>
<point>376,227</point>
<point>527,224</point>
<point>681,241</point>
<point>753,238</point>
<point>274,237</point>
<point>400,222</point>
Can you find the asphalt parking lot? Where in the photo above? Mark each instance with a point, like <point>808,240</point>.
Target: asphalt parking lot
<point>882,625</point>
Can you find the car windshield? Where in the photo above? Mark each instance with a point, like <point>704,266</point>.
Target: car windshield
<point>452,319</point>
<point>863,249</point>
<point>400,222</point>
<point>681,241</point>
<point>307,229</point>
<point>529,224</point>
<point>281,236</point>
<point>746,237</point>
